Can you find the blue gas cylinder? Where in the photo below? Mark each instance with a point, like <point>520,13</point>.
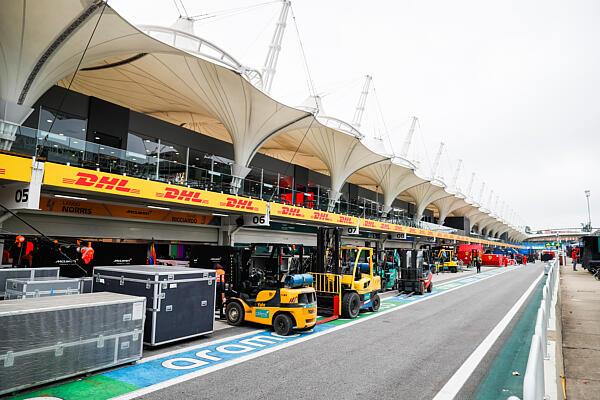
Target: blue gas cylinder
<point>298,280</point>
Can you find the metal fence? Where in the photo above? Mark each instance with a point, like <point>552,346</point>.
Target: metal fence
<point>534,379</point>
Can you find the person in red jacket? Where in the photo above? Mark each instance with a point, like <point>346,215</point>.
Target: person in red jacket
<point>574,257</point>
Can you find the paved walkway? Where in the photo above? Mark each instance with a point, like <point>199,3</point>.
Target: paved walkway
<point>580,294</point>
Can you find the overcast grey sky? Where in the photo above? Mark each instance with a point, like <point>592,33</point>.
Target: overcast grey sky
<point>512,87</point>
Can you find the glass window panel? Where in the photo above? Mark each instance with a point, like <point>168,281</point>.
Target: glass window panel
<point>64,124</point>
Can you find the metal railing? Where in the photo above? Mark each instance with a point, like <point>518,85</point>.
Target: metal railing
<point>215,176</point>
<point>327,283</point>
<point>535,376</point>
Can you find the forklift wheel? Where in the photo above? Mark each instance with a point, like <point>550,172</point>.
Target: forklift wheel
<point>350,305</point>
<point>430,288</point>
<point>234,313</point>
<point>283,324</point>
<point>375,303</point>
<point>453,270</point>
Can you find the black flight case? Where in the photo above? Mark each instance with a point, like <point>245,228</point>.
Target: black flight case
<point>180,301</point>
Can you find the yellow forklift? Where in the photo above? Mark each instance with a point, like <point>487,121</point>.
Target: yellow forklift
<point>445,259</point>
<point>266,289</point>
<point>344,278</point>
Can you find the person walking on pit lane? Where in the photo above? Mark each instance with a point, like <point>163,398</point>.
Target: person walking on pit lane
<point>574,257</point>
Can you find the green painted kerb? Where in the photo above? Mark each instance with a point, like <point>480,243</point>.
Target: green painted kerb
<point>97,387</point>
<point>500,383</point>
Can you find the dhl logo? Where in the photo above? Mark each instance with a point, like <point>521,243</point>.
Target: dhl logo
<point>191,196</point>
<point>385,226</point>
<point>2,171</point>
<point>104,182</point>
<point>370,224</point>
<point>321,216</point>
<point>291,211</point>
<point>345,220</point>
<point>242,204</point>
<point>398,228</point>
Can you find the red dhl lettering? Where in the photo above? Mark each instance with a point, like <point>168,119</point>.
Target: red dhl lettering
<point>104,182</point>
<point>345,220</point>
<point>242,204</point>
<point>370,224</point>
<point>321,216</point>
<point>398,228</point>
<point>182,194</point>
<point>290,211</point>
<point>385,226</point>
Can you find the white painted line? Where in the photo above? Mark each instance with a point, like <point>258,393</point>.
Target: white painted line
<point>205,371</point>
<point>456,382</point>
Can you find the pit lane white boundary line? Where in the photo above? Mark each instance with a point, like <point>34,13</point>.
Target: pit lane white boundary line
<point>457,381</point>
<point>205,371</point>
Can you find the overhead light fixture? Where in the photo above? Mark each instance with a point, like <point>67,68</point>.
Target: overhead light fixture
<point>75,142</point>
<point>62,196</point>
<point>97,138</point>
<point>159,208</point>
<point>220,215</point>
<point>83,129</point>
<point>49,120</point>
<point>147,140</point>
<point>61,134</point>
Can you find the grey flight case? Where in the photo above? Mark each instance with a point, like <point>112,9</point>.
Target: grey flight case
<point>45,339</point>
<point>180,300</point>
<point>19,288</point>
<point>31,273</point>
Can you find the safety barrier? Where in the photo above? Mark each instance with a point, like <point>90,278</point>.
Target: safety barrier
<point>330,284</point>
<point>535,378</point>
<point>327,283</point>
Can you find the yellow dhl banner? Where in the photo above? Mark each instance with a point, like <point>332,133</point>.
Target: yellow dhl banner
<point>308,214</point>
<point>15,168</point>
<point>93,209</point>
<point>103,182</point>
<point>381,226</point>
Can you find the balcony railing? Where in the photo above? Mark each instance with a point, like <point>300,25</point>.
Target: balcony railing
<point>62,149</point>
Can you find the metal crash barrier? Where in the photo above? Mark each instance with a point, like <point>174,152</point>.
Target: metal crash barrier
<point>535,378</point>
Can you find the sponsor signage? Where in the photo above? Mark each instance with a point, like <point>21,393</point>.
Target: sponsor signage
<point>308,214</point>
<point>94,209</point>
<point>103,182</point>
<point>15,168</point>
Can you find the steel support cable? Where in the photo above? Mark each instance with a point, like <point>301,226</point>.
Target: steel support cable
<point>44,236</point>
<point>311,85</point>
<point>229,12</point>
<point>64,96</point>
<point>296,151</point>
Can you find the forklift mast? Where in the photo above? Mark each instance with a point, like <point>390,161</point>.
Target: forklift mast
<point>327,237</point>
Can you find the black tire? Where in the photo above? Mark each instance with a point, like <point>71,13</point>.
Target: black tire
<point>350,305</point>
<point>453,270</point>
<point>430,288</point>
<point>422,288</point>
<point>283,324</point>
<point>375,303</point>
<point>234,313</point>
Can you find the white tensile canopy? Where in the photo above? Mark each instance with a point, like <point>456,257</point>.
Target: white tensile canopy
<point>42,43</point>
